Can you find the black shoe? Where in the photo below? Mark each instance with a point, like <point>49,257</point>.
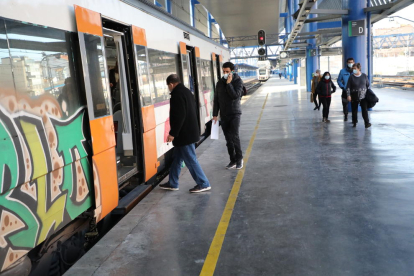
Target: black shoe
<point>231,165</point>
<point>327,121</point>
<point>167,186</point>
<point>354,125</point>
<point>319,107</point>
<point>316,108</point>
<point>239,165</point>
<point>367,125</point>
<point>346,118</point>
<point>199,189</point>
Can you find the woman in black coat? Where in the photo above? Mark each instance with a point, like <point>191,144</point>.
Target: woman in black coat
<point>324,91</point>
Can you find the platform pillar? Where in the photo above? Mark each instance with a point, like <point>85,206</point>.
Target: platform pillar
<point>354,46</point>
<point>311,60</point>
<point>295,71</point>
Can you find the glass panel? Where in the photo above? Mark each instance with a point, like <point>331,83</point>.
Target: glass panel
<point>42,61</point>
<point>185,69</point>
<point>143,76</point>
<point>97,75</point>
<point>262,71</point>
<point>6,75</point>
<point>162,64</point>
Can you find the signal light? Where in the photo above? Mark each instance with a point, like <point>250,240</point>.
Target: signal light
<point>261,38</point>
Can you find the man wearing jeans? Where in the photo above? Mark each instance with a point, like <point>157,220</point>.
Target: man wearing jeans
<point>183,134</point>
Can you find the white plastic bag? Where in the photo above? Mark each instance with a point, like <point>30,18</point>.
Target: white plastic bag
<point>214,130</point>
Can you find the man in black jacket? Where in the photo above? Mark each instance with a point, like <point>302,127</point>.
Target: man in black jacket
<point>183,134</point>
<point>229,91</point>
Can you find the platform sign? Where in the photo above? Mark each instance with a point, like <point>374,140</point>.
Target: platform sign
<point>356,28</point>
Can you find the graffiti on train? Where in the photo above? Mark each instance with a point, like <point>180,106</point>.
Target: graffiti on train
<point>45,175</point>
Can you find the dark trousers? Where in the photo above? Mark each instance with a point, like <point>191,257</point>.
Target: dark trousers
<point>364,111</point>
<point>345,106</point>
<point>230,126</point>
<point>315,101</point>
<point>326,103</point>
<point>345,102</point>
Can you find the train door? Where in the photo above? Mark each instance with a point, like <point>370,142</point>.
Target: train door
<point>91,41</point>
<point>214,69</point>
<point>219,60</point>
<point>191,63</point>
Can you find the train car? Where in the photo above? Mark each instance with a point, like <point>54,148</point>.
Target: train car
<point>263,72</point>
<point>246,71</point>
<point>84,117</point>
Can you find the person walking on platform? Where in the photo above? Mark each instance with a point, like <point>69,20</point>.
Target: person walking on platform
<point>343,77</point>
<point>325,89</point>
<point>280,75</point>
<point>229,91</point>
<point>315,81</point>
<point>183,134</point>
<point>356,89</point>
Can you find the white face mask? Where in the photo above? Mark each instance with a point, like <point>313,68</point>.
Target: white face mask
<point>355,71</point>
<point>316,74</point>
<point>226,76</point>
<point>327,77</point>
<point>350,65</point>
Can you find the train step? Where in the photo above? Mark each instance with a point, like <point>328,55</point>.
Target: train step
<point>132,199</point>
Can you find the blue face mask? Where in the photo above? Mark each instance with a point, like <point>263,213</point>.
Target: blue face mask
<point>350,65</point>
<point>355,71</point>
<point>327,77</point>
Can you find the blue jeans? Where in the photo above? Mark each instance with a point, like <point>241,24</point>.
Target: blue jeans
<point>188,155</point>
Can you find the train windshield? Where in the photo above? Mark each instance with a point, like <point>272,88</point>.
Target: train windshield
<point>262,71</point>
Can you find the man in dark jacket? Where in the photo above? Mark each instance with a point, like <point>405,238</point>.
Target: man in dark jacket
<point>229,91</point>
<point>183,134</point>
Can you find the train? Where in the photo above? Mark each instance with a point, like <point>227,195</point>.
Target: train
<point>84,118</point>
<point>264,70</point>
<point>246,71</point>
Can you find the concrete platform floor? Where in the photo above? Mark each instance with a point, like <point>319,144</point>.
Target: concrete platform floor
<point>316,199</point>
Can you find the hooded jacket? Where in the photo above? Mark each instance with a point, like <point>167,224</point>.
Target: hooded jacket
<point>227,97</point>
<point>183,117</point>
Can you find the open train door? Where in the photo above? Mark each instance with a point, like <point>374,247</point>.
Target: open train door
<point>202,101</point>
<point>89,24</point>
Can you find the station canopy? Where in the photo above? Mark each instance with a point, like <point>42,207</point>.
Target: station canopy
<point>240,18</point>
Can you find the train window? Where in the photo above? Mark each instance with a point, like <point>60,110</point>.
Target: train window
<point>6,76</point>
<point>206,77</point>
<point>162,64</point>
<point>42,62</point>
<point>144,81</point>
<point>96,70</point>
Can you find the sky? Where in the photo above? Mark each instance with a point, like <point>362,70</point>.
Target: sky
<point>406,13</point>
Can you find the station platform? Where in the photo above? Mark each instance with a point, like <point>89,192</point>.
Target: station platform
<point>312,199</point>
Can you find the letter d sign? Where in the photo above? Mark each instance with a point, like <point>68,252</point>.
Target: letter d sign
<point>361,30</point>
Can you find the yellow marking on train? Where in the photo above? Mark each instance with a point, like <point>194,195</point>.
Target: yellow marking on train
<point>215,247</point>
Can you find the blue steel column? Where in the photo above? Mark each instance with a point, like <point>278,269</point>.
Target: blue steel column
<point>369,44</point>
<point>354,46</point>
<point>295,7</point>
<point>311,61</point>
<point>295,71</point>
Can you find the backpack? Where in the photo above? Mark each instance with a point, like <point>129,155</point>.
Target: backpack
<point>244,91</point>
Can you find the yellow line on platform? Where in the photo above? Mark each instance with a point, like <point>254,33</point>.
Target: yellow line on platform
<point>215,247</point>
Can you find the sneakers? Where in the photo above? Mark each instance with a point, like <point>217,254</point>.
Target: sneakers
<point>327,121</point>
<point>367,125</point>
<point>239,165</point>
<point>324,120</point>
<point>167,186</point>
<point>199,189</point>
<point>354,125</point>
<point>231,165</point>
